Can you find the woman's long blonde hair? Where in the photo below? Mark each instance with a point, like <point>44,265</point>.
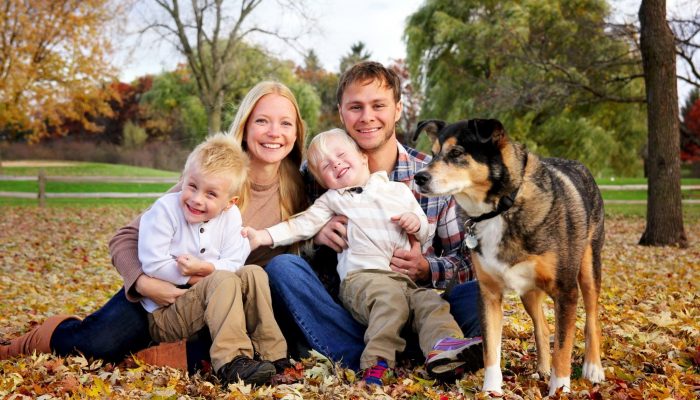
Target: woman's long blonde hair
<point>292,194</point>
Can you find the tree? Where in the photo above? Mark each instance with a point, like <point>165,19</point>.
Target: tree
<point>357,53</point>
<point>210,41</point>
<point>687,35</point>
<point>690,128</point>
<point>551,70</point>
<point>411,99</point>
<point>172,110</point>
<point>53,61</point>
<point>324,84</point>
<point>664,209</point>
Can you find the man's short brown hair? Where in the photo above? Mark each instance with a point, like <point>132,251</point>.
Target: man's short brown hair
<point>368,71</point>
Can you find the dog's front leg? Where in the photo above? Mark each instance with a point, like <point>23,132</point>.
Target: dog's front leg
<point>491,326</point>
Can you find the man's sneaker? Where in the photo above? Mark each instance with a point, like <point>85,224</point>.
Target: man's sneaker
<point>452,357</point>
<point>373,375</point>
<point>249,371</point>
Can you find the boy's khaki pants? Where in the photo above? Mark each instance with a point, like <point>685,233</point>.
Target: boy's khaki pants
<point>237,309</point>
<point>385,301</point>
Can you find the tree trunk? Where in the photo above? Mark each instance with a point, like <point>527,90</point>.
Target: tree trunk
<point>664,207</point>
<point>214,119</point>
<point>214,112</point>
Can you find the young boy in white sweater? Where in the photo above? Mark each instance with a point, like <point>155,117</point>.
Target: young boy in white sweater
<point>192,237</point>
<point>381,214</point>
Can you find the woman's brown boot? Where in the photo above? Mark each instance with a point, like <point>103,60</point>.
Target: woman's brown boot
<point>38,339</point>
<point>172,355</point>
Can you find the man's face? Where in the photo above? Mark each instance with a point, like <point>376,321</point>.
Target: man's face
<point>369,112</point>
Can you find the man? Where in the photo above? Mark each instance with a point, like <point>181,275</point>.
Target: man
<point>369,103</point>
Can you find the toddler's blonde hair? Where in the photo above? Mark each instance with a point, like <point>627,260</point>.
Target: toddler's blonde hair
<point>221,155</point>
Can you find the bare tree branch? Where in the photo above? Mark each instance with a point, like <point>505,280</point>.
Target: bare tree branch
<point>208,36</point>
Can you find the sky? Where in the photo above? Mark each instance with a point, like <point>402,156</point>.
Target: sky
<point>339,24</point>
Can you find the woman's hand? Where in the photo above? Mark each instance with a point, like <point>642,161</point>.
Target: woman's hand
<point>334,234</point>
<point>161,292</point>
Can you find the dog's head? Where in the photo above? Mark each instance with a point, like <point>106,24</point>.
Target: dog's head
<point>467,158</point>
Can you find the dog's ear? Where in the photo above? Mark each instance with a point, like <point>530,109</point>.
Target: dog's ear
<point>431,127</point>
<point>487,129</point>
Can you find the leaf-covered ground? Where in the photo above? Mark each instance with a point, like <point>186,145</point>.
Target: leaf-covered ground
<point>55,260</point>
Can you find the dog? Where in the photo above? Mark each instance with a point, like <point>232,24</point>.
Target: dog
<point>534,225</point>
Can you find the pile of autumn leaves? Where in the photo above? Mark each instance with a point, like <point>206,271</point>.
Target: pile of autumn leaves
<point>56,261</point>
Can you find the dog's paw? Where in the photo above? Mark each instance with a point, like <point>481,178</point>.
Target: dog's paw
<point>493,380</point>
<point>593,372</point>
<point>556,382</point>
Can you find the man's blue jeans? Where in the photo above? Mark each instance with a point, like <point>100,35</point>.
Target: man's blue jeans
<point>299,298</point>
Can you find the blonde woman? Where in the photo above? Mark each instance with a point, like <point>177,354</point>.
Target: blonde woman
<point>271,131</point>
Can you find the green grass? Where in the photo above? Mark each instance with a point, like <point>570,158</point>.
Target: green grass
<point>691,212</point>
<point>139,204</point>
<point>90,169</point>
<point>642,194</point>
<point>85,187</point>
<point>641,181</point>
<point>86,169</point>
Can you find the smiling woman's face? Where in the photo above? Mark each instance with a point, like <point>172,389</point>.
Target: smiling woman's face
<point>271,130</point>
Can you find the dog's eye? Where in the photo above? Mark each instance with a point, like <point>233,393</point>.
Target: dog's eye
<point>455,152</point>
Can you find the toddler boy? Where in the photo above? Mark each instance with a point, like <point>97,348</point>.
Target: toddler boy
<point>380,215</point>
<point>192,237</point>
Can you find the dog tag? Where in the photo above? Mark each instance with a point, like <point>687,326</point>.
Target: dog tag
<point>471,241</point>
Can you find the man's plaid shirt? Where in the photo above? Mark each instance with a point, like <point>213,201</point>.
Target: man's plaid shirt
<point>446,255</point>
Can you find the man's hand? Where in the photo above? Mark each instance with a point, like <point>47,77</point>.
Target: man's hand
<point>190,265</point>
<point>411,262</point>
<point>334,234</point>
<point>161,292</point>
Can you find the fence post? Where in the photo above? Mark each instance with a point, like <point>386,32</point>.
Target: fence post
<point>42,188</point>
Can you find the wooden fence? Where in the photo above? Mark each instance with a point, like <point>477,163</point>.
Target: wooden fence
<point>42,194</point>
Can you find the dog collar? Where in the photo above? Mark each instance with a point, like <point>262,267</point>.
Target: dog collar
<point>505,203</point>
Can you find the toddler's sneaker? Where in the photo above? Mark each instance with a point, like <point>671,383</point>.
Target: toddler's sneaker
<point>453,357</point>
<point>373,375</point>
<point>252,372</point>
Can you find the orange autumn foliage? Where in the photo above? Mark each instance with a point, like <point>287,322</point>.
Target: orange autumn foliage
<point>53,62</point>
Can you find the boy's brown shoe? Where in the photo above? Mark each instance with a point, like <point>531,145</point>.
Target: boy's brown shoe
<point>246,369</point>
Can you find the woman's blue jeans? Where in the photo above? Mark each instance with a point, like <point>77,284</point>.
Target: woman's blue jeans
<point>111,333</point>
<point>117,330</point>
<point>302,303</point>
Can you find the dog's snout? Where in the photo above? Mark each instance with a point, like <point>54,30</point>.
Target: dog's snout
<point>422,178</point>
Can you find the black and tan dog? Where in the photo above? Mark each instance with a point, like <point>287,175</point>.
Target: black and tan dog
<point>535,225</point>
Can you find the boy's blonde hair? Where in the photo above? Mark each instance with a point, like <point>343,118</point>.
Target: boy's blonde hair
<point>221,155</point>
<point>318,149</point>
<point>292,195</point>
